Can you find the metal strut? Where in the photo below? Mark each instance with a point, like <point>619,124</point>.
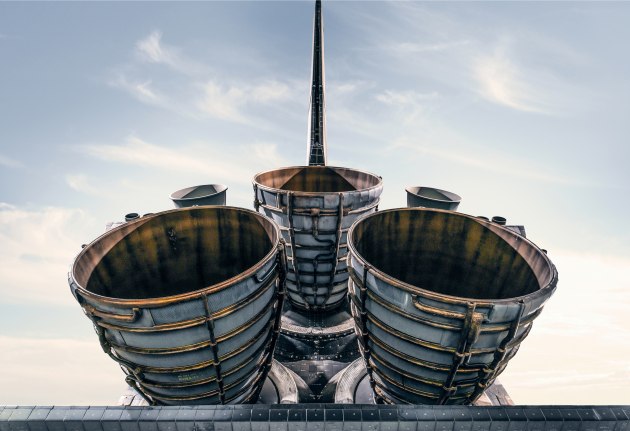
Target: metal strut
<point>487,374</point>
<point>281,264</point>
<point>363,330</point>
<point>215,349</point>
<point>256,201</point>
<point>335,257</point>
<point>470,334</point>
<point>296,269</point>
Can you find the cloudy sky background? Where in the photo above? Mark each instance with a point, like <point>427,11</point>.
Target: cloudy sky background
<point>521,108</point>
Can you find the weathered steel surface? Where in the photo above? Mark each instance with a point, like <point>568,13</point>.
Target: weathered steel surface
<point>187,302</point>
<point>314,207</point>
<point>442,301</point>
<point>428,197</point>
<point>207,194</point>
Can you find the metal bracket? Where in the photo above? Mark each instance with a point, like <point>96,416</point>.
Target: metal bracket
<point>489,373</point>
<point>469,334</point>
<point>364,336</point>
<point>256,201</point>
<point>281,264</point>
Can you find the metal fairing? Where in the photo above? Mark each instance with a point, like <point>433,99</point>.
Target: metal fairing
<point>317,150</point>
<point>207,194</point>
<point>441,301</point>
<point>429,197</point>
<point>317,337</point>
<point>314,207</point>
<point>187,302</point>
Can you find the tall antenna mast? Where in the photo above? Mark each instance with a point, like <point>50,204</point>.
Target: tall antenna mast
<point>316,146</point>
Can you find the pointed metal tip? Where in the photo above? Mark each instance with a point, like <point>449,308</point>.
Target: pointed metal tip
<point>317,148</point>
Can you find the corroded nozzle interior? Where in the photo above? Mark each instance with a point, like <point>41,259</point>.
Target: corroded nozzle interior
<point>317,179</point>
<point>451,254</point>
<point>174,252</point>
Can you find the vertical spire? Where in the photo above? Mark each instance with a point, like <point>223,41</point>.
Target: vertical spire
<point>317,150</point>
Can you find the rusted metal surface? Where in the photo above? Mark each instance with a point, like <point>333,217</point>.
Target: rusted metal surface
<point>441,301</point>
<point>429,197</point>
<point>187,302</point>
<point>314,207</point>
<point>207,194</point>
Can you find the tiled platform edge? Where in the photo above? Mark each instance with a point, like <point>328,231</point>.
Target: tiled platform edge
<point>315,417</point>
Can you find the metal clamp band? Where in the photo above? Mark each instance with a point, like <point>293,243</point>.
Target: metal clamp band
<point>128,318</point>
<point>265,277</point>
<point>469,334</point>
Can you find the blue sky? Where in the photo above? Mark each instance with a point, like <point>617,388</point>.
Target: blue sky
<point>521,108</point>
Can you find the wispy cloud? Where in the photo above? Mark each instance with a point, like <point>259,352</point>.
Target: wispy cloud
<point>513,67</point>
<point>40,371</point>
<point>141,90</point>
<point>137,152</point>
<point>569,377</point>
<point>151,49</point>
<point>267,154</point>
<point>189,88</point>
<point>228,102</point>
<point>234,165</point>
<point>501,81</point>
<point>36,248</point>
<point>271,91</point>
<point>9,162</point>
<point>223,103</point>
<point>486,160</point>
<point>562,357</point>
<point>416,48</point>
<point>339,89</point>
<point>81,183</point>
<point>408,104</point>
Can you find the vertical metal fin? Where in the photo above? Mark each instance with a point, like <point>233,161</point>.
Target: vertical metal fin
<point>317,148</point>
